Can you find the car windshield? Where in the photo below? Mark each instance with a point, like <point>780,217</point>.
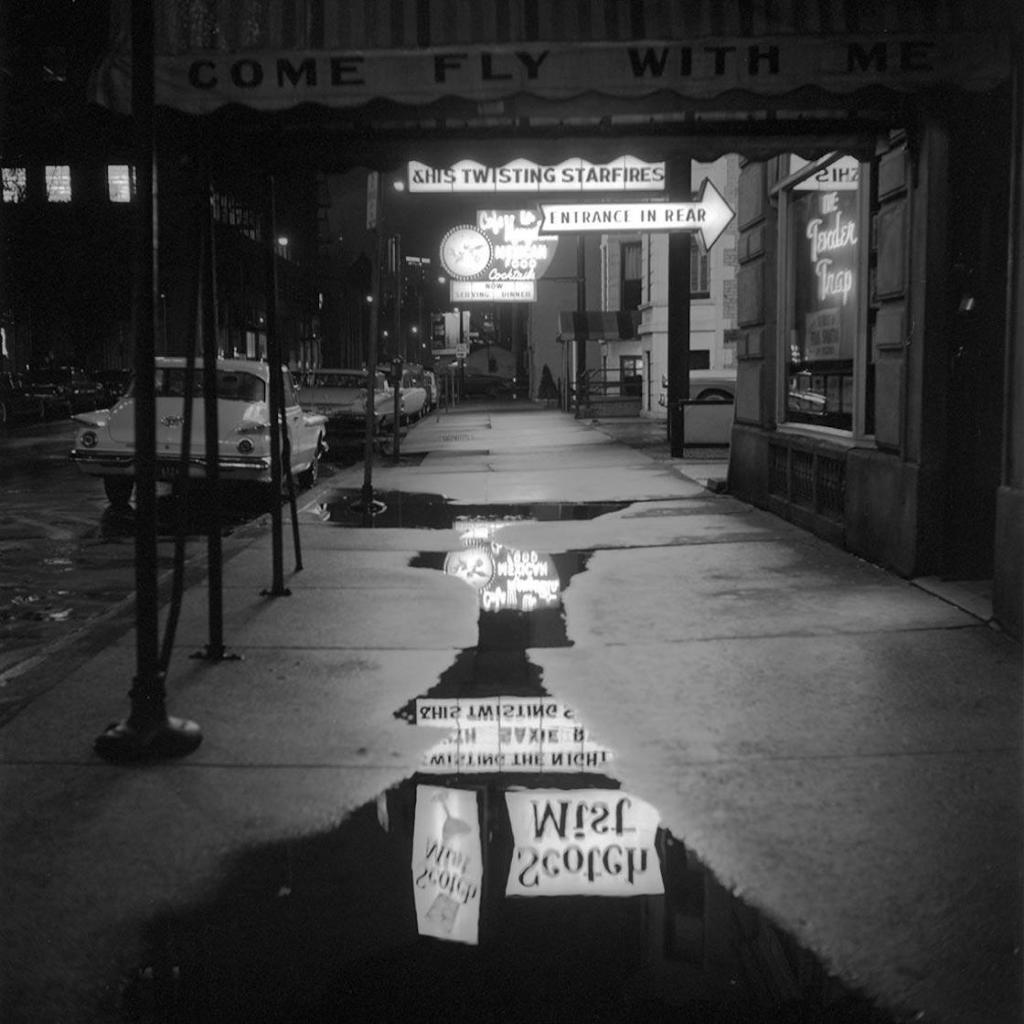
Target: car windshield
<point>232,385</point>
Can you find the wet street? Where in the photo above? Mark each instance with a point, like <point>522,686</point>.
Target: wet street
<point>558,735</point>
<point>68,556</point>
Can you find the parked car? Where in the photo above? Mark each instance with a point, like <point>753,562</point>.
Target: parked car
<point>17,402</point>
<point>105,441</point>
<point>412,391</point>
<point>114,384</point>
<point>433,394</point>
<point>65,390</point>
<point>340,395</point>
<point>487,385</point>
<point>713,385</point>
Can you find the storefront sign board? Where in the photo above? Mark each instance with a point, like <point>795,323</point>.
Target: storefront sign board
<point>709,216</point>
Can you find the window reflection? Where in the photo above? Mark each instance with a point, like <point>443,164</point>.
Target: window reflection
<point>825,238</point>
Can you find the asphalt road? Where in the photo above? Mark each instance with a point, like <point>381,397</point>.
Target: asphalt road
<point>67,558</point>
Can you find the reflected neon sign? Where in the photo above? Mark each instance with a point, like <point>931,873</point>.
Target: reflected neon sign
<point>584,842</point>
<point>505,578</point>
<point>508,734</point>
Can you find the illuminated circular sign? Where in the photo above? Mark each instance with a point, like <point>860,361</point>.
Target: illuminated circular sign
<point>465,251</point>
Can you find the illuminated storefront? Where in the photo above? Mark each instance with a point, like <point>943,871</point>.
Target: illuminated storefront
<point>878,385</point>
<point>824,229</point>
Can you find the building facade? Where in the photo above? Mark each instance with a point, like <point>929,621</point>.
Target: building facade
<point>879,386</point>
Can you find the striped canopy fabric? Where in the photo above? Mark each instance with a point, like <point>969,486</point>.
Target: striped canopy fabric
<point>236,25</point>
<point>274,56</point>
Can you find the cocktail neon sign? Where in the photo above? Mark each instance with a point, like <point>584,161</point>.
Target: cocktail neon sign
<point>827,238</point>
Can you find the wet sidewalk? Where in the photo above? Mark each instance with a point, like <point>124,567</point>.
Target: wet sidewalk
<point>839,747</point>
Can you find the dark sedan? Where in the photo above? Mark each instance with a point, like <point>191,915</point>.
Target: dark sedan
<point>113,383</point>
<point>17,402</point>
<point>65,390</point>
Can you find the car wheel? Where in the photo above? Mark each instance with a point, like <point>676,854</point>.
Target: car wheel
<point>309,476</point>
<point>119,489</point>
<point>715,395</point>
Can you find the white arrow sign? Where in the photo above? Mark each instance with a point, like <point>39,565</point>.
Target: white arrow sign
<point>710,215</point>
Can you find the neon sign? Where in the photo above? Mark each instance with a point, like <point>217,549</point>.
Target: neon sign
<point>499,258</point>
<point>625,174</point>
<point>828,239</point>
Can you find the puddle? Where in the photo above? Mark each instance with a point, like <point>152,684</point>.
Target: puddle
<point>402,509</point>
<point>511,878</point>
<point>237,505</point>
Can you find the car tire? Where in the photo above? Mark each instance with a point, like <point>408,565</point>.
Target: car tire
<point>309,476</point>
<point>119,490</point>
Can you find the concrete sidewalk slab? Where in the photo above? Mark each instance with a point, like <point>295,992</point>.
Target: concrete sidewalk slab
<point>840,746</point>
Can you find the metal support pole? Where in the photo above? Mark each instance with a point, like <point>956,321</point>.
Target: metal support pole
<point>373,221</point>
<point>678,315</point>
<point>396,375</point>
<point>277,589</point>
<point>148,732</point>
<point>581,308</point>
<point>214,553</point>
<point>401,349</point>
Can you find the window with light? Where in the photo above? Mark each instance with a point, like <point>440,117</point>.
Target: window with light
<point>823,215</point>
<point>121,183</point>
<point>15,182</point>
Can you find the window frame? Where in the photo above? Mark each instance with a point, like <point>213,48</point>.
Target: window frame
<point>58,184</point>
<point>700,268</point>
<point>633,245</point>
<point>15,184</point>
<point>129,170</point>
<point>786,315</point>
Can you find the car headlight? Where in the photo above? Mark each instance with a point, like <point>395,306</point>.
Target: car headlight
<point>88,439</point>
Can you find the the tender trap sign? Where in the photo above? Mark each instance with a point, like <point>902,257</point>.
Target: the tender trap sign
<point>582,842</point>
<point>709,215</point>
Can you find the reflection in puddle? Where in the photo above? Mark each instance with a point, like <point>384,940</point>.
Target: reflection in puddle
<point>237,505</point>
<point>511,878</point>
<point>436,512</point>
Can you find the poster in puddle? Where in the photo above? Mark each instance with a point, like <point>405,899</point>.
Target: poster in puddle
<point>447,864</point>
<point>582,842</point>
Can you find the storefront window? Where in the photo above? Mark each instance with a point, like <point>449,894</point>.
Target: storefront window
<point>825,237</point>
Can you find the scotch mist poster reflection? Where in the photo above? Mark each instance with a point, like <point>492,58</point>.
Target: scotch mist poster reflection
<point>447,864</point>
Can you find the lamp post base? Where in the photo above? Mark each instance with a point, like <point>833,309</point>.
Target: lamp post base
<point>172,737</point>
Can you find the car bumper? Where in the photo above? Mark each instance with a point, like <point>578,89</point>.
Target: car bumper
<point>241,469</point>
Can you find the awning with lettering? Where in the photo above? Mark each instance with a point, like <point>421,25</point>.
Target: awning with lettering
<point>598,325</point>
<point>346,54</point>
